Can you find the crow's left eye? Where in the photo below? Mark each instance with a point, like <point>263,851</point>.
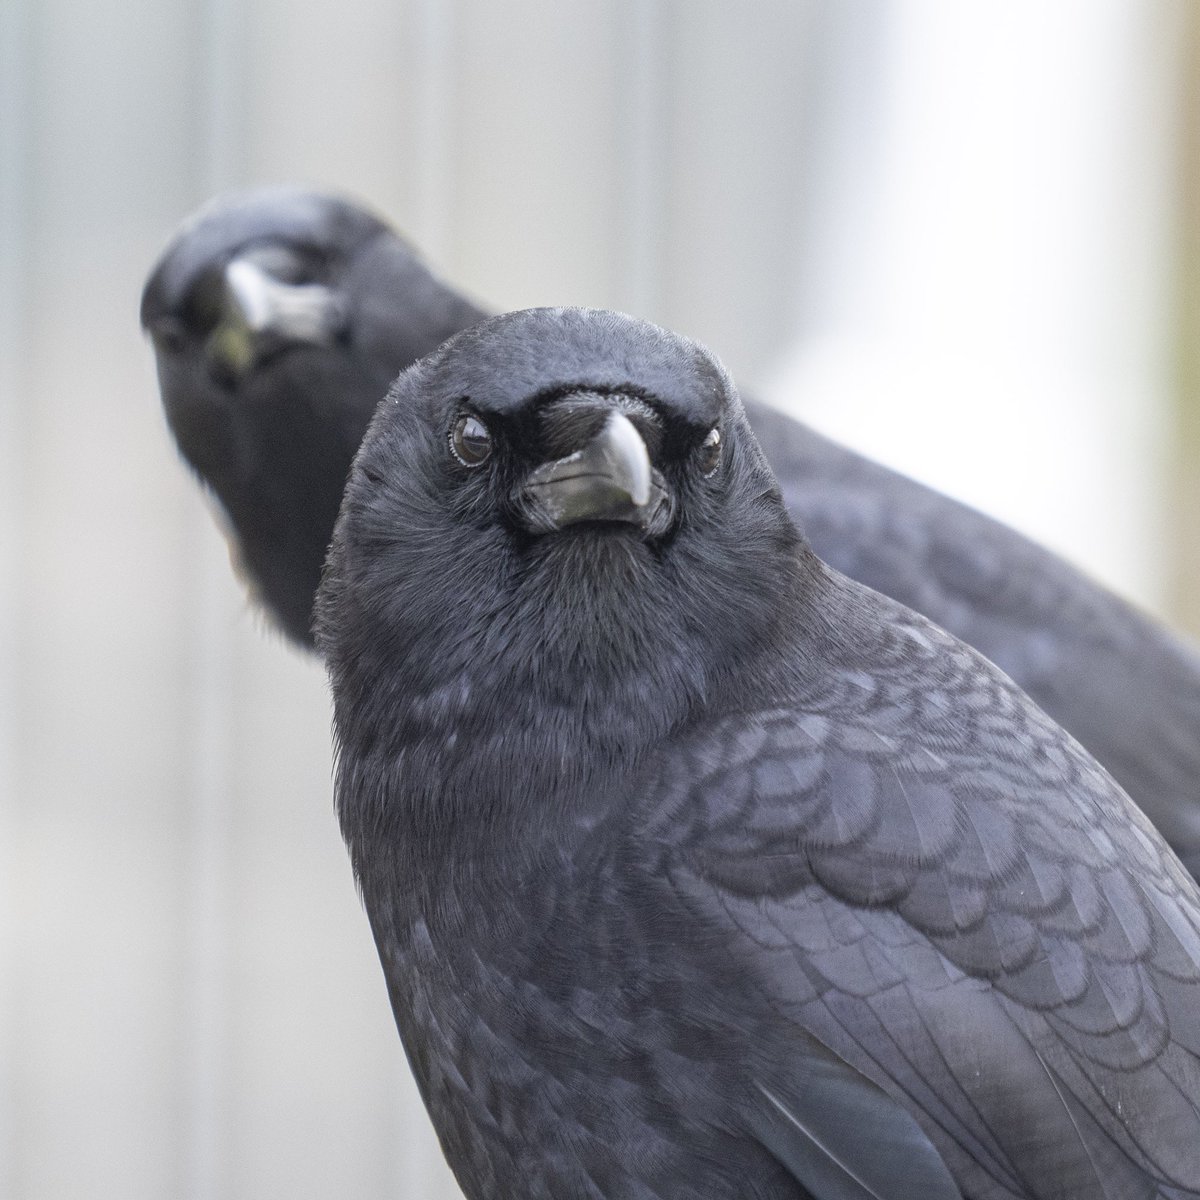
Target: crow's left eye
<point>710,452</point>
<point>470,441</point>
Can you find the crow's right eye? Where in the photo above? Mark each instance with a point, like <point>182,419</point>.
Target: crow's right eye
<point>470,441</point>
<point>169,334</point>
<point>710,452</point>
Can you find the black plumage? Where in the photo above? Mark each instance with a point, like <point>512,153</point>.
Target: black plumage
<point>274,315</point>
<point>275,439</point>
<point>695,867</point>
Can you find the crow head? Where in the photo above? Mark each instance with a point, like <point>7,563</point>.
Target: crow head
<point>559,526</point>
<point>252,276</point>
<point>278,319</point>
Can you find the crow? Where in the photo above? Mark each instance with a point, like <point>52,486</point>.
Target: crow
<point>697,869</point>
<point>279,319</point>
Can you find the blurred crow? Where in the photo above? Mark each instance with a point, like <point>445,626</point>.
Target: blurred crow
<point>279,318</point>
<point>698,869</point>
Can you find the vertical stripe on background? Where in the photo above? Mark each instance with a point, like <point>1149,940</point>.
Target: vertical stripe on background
<point>14,152</point>
<point>1185,514</point>
<point>641,127</point>
<point>432,56</point>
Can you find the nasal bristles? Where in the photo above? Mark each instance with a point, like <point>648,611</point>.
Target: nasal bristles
<point>567,424</point>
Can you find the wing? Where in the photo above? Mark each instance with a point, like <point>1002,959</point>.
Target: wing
<point>921,870</point>
<point>845,1138</point>
<point>1118,681</point>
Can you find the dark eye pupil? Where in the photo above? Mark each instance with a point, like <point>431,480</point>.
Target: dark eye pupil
<point>470,441</point>
<point>710,452</point>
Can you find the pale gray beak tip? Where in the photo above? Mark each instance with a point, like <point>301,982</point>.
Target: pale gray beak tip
<point>628,451</point>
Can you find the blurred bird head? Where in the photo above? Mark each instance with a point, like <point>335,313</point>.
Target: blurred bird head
<point>253,275</point>
<point>278,318</point>
<point>556,495</point>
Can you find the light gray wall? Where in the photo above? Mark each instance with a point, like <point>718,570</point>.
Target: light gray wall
<point>190,1003</point>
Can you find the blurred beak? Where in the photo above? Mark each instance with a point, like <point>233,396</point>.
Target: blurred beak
<point>608,479</point>
<point>260,315</point>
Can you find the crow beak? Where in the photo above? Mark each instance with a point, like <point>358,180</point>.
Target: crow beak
<point>261,315</point>
<point>609,479</point>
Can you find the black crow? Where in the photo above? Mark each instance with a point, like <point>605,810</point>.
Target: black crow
<point>698,869</point>
<point>279,318</point>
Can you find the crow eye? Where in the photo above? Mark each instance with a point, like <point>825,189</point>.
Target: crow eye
<point>470,441</point>
<point>710,452</point>
<point>169,334</point>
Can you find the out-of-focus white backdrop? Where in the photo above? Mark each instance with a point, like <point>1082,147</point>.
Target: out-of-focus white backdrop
<point>949,234</point>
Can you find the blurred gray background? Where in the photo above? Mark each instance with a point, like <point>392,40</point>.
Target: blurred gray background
<point>965,238</point>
